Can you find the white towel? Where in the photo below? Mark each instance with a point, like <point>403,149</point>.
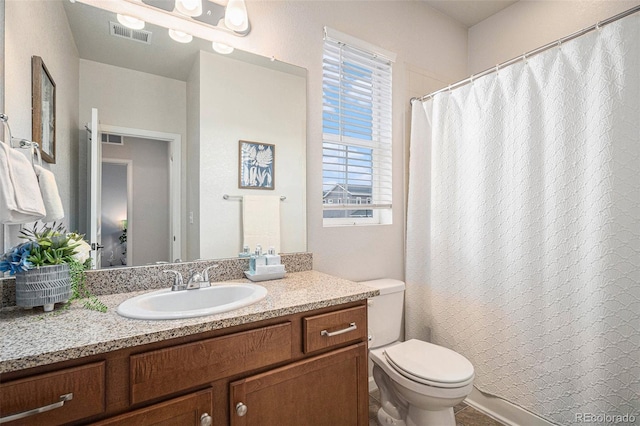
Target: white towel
<point>20,198</point>
<point>50,194</point>
<point>261,221</point>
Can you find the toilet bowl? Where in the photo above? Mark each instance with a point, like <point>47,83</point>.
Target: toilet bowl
<point>419,382</point>
<point>422,396</point>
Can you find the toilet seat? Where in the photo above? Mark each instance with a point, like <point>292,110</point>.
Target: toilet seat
<point>430,364</point>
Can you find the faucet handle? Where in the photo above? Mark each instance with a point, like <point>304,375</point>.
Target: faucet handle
<point>205,272</point>
<point>178,282</point>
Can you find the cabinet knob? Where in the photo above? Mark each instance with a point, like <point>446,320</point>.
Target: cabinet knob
<point>205,420</point>
<point>241,409</point>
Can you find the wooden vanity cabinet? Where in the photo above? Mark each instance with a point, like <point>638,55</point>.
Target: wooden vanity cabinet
<point>306,368</point>
<point>322,390</point>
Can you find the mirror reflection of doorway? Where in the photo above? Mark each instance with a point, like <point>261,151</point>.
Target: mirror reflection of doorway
<point>135,184</point>
<point>117,205</point>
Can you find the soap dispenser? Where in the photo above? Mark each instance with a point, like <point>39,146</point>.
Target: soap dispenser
<point>257,259</point>
<point>246,252</point>
<point>272,257</point>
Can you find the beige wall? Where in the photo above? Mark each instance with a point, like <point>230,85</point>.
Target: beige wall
<point>424,40</point>
<point>193,154</point>
<point>527,25</point>
<point>243,101</point>
<point>41,29</point>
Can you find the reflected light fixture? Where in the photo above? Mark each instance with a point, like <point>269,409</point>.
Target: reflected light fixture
<point>221,48</point>
<point>235,17</point>
<point>189,7</point>
<point>130,22</point>
<point>179,36</point>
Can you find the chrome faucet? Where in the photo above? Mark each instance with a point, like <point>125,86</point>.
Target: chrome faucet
<point>196,281</point>
<point>200,279</point>
<point>205,273</point>
<point>178,282</point>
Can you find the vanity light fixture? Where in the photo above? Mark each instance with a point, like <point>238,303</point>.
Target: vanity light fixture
<point>179,36</point>
<point>130,22</point>
<point>189,7</point>
<point>222,48</point>
<point>235,17</point>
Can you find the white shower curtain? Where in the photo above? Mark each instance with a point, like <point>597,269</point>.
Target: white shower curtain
<point>529,263</point>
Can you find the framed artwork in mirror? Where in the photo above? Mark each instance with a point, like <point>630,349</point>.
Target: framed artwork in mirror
<point>257,165</point>
<point>43,99</point>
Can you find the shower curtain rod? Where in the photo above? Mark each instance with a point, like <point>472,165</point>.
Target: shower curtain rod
<point>530,53</point>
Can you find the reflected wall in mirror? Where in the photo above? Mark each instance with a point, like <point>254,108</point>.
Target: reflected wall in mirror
<point>181,105</point>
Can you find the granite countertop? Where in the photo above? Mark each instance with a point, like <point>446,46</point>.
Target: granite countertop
<point>30,338</point>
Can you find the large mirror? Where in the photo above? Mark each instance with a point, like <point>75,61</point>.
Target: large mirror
<point>169,118</point>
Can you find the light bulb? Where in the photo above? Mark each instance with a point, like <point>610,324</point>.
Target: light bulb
<point>180,37</point>
<point>235,16</point>
<point>221,48</point>
<point>189,7</point>
<point>130,22</point>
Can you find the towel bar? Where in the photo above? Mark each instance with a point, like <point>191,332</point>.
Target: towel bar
<point>239,197</point>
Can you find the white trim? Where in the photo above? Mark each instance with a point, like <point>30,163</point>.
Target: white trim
<point>175,161</point>
<point>502,410</point>
<point>129,164</point>
<point>335,35</point>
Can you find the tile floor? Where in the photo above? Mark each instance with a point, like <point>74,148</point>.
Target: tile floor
<point>465,414</point>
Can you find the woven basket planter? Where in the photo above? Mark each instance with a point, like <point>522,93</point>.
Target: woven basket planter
<point>43,286</point>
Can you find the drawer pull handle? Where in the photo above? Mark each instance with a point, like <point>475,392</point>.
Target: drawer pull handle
<point>351,327</point>
<point>205,420</point>
<point>241,409</point>
<point>63,398</point>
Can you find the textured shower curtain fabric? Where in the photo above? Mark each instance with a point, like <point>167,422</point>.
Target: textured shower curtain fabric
<point>529,264</point>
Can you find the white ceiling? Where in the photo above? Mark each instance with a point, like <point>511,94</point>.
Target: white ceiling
<point>469,12</point>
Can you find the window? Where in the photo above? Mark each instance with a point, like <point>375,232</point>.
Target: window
<point>356,129</point>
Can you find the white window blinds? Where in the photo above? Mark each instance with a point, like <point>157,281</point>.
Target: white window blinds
<point>357,131</point>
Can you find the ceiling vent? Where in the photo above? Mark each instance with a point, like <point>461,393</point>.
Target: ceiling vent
<point>118,30</point>
<point>112,139</point>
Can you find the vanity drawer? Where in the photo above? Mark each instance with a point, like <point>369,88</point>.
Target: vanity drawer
<point>165,371</point>
<point>192,409</point>
<point>334,328</point>
<point>84,387</point>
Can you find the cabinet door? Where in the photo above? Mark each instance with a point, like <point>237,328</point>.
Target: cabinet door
<point>190,410</point>
<point>330,389</point>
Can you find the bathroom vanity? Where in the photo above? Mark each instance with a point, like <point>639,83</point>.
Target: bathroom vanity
<point>298,356</point>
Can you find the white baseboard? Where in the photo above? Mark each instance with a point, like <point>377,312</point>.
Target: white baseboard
<point>503,410</point>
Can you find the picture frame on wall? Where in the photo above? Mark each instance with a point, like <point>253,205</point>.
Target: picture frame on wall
<point>256,169</point>
<point>43,98</point>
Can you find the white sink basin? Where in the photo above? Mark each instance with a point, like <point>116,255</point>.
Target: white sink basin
<point>167,304</point>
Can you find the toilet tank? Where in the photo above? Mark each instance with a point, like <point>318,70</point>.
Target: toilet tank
<point>385,312</point>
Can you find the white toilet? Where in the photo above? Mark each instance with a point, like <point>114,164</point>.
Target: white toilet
<point>419,382</point>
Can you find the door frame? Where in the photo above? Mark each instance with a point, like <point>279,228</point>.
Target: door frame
<point>129,164</point>
<point>175,164</point>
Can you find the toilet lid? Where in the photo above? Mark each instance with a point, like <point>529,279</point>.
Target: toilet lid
<point>429,363</point>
